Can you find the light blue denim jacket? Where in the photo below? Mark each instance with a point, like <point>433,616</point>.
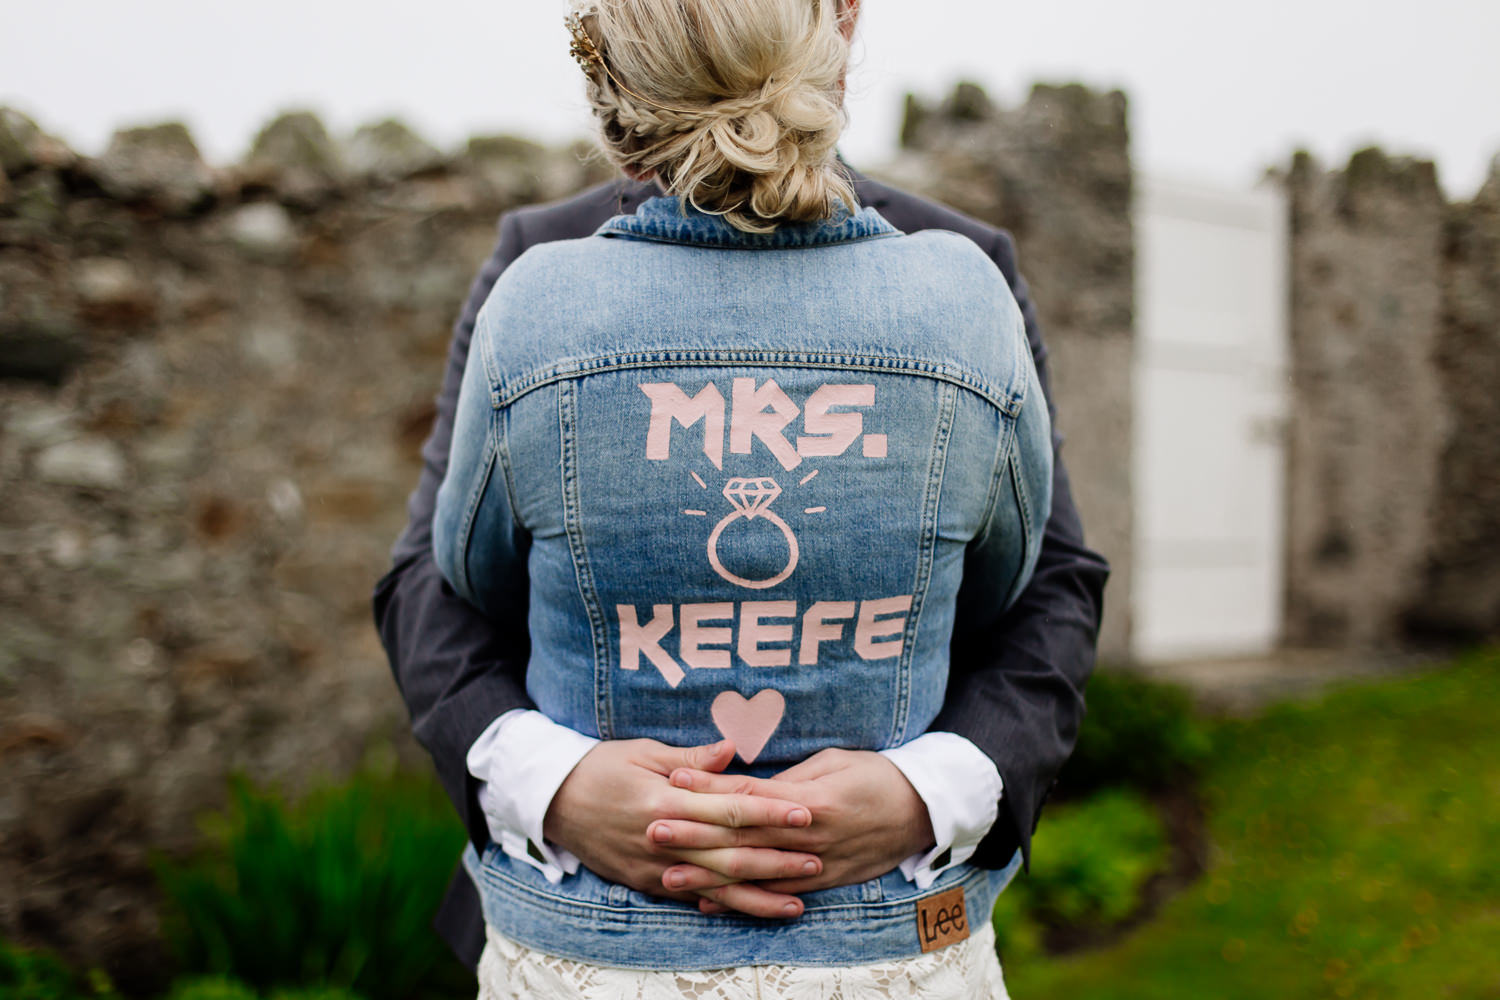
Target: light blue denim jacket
<point>743,485</point>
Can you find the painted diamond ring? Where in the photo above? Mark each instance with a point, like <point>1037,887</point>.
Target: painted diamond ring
<point>751,498</point>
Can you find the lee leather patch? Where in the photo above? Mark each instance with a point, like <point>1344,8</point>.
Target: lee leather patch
<point>942,919</point>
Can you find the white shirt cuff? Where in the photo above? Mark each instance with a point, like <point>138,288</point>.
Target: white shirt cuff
<point>961,788</point>
<point>521,759</point>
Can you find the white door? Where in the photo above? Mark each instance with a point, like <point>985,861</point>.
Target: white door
<point>1211,402</point>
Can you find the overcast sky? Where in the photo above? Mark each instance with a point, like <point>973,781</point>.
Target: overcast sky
<point>1218,91</point>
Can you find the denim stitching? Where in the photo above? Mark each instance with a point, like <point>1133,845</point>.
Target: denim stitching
<point>1025,499</point>
<point>942,434</point>
<point>1008,401</point>
<point>1019,495</point>
<point>1027,529</point>
<point>482,342</point>
<point>1020,375</point>
<point>1009,434</point>
<point>992,498</point>
<point>502,451</point>
<point>567,418</point>
<point>471,509</point>
<point>1004,453</point>
<point>606,913</point>
<point>717,243</point>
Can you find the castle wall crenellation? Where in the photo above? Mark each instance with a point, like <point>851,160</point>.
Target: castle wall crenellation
<point>1393,507</point>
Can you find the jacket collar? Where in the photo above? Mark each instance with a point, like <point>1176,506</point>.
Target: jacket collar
<point>669,220</point>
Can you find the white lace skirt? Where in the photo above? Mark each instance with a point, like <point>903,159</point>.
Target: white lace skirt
<point>967,970</point>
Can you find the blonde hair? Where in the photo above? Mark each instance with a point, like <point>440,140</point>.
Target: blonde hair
<point>734,105</point>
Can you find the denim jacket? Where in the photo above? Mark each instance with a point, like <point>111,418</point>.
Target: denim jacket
<point>749,486</point>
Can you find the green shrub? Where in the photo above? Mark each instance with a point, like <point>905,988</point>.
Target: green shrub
<point>335,891</point>
<point>33,975</point>
<point>1090,860</point>
<point>1093,858</point>
<point>1137,733</point>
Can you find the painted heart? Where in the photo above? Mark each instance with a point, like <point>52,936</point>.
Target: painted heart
<point>748,722</point>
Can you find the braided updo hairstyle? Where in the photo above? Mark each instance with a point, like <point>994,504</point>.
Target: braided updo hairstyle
<point>733,105</point>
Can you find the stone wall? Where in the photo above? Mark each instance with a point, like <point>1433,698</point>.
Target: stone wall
<point>1367,414</point>
<point>217,381</point>
<point>1394,498</point>
<point>1459,590</point>
<point>1056,173</point>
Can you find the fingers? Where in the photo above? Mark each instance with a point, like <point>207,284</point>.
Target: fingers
<point>797,886</point>
<point>711,758</point>
<point>733,810</point>
<point>682,833</point>
<point>749,899</point>
<point>822,763</point>
<point>708,758</point>
<point>698,780</point>
<point>723,866</point>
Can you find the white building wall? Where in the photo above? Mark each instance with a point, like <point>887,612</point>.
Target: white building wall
<point>1211,396</point>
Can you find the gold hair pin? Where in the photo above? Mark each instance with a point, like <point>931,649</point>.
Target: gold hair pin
<point>583,50</point>
<point>587,55</point>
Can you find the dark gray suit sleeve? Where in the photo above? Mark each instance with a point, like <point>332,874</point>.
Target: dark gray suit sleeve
<point>1017,692</point>
<point>456,671</point>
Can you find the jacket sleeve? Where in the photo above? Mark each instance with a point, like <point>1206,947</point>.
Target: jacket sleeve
<point>1000,561</point>
<point>478,543</point>
<point>456,670</point>
<point>1016,689</point>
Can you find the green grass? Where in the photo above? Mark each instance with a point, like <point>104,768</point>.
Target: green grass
<point>1356,853</point>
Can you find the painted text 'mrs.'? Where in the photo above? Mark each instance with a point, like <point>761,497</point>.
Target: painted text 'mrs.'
<point>762,413</point>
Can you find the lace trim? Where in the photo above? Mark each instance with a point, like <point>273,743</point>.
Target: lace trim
<point>968,970</point>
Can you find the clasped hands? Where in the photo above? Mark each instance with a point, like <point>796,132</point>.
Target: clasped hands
<point>666,821</point>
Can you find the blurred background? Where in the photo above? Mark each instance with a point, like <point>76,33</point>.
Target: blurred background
<point>1265,247</point>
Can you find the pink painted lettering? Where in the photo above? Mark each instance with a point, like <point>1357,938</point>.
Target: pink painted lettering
<point>758,633</point>
<point>762,413</point>
<point>833,433</point>
<point>867,634</point>
<point>816,627</point>
<point>669,403</point>
<point>755,634</point>
<point>636,639</point>
<point>696,636</point>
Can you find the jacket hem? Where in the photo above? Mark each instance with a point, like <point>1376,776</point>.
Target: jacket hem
<point>855,925</point>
